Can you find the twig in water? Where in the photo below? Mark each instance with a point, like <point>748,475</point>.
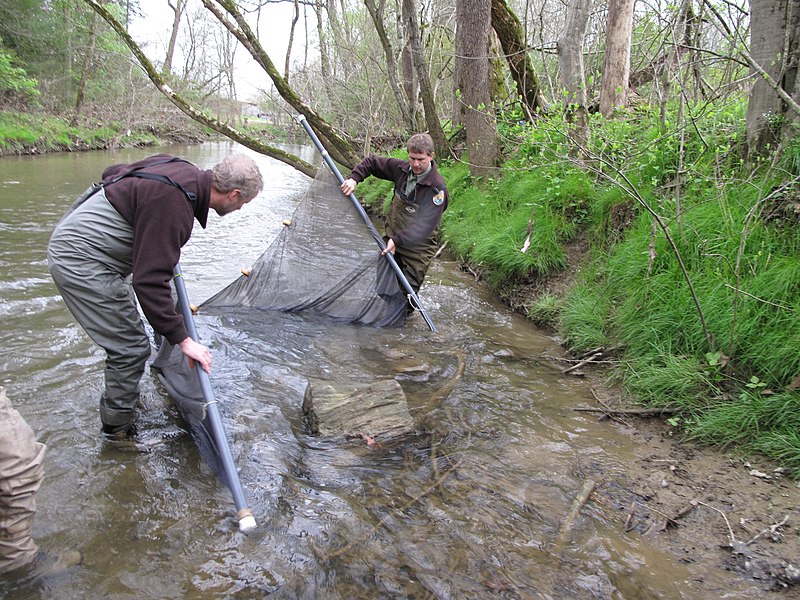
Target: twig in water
<point>629,519</point>
<point>404,507</point>
<point>583,496</point>
<point>586,360</point>
<point>772,529</point>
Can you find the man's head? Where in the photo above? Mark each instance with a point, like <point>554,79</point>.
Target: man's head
<point>234,181</point>
<point>420,152</point>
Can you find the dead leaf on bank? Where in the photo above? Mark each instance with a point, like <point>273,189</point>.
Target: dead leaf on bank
<point>794,384</point>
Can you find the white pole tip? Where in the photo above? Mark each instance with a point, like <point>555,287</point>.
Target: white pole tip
<point>247,523</point>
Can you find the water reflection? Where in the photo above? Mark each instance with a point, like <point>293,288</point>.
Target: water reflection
<point>470,506</point>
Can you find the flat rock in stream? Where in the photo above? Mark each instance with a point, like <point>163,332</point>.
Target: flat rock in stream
<point>374,411</point>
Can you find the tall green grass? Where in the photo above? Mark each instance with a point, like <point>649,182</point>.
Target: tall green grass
<point>707,324</point>
<point>516,227</point>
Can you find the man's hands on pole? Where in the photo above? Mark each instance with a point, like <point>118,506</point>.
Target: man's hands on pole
<point>347,187</point>
<point>390,247</point>
<point>196,352</point>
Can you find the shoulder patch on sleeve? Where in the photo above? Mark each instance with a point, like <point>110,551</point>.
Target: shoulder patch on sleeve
<point>438,198</point>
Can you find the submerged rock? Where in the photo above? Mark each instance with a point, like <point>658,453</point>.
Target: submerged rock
<point>375,411</point>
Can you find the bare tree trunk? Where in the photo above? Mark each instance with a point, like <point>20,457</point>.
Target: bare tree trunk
<point>570,59</point>
<point>617,63</point>
<point>509,31</point>
<point>410,79</point>
<point>177,10</point>
<point>88,58</point>
<point>324,50</point>
<point>376,13</point>
<point>774,48</point>
<point>201,116</point>
<point>341,147</point>
<point>473,21</point>
<point>426,91</point>
<point>305,38</point>
<point>291,40</point>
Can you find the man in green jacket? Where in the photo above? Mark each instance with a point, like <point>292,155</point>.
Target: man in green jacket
<point>420,198</point>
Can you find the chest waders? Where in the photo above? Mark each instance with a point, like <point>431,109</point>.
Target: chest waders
<point>21,474</point>
<point>413,260</point>
<point>90,257</point>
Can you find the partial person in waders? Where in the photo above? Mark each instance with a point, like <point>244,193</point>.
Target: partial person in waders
<point>420,198</point>
<point>120,242</point>
<point>21,474</point>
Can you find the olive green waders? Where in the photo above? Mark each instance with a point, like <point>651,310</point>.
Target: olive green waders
<point>414,261</point>
<point>21,475</point>
<point>90,260</point>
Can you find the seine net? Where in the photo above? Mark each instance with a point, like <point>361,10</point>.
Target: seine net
<point>326,262</point>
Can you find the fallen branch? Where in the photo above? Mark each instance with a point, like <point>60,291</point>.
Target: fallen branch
<point>684,511</point>
<point>586,360</point>
<point>772,530</point>
<point>583,496</point>
<point>592,351</point>
<point>574,360</point>
<point>733,541</point>
<point>608,410</point>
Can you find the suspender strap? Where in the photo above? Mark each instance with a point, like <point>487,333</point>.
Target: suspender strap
<point>191,196</point>
<point>137,172</point>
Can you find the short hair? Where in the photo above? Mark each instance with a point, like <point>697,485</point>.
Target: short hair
<point>421,142</point>
<point>237,172</point>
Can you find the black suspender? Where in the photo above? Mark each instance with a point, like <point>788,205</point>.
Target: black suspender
<point>137,172</point>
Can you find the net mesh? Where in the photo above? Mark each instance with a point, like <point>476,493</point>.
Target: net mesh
<point>325,262</point>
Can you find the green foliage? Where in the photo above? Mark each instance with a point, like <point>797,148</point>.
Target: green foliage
<point>584,317</point>
<point>14,81</point>
<point>516,227</point>
<point>757,422</point>
<point>50,40</point>
<point>781,445</point>
<point>20,131</point>
<point>663,378</point>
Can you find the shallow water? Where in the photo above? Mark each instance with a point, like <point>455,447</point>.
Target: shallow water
<point>471,506</point>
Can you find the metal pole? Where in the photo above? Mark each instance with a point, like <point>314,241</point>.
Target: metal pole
<point>400,275</point>
<point>244,514</point>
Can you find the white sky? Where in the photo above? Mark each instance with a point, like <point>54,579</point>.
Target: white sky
<point>153,31</point>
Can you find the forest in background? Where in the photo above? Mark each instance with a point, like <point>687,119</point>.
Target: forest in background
<point>623,172</point>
